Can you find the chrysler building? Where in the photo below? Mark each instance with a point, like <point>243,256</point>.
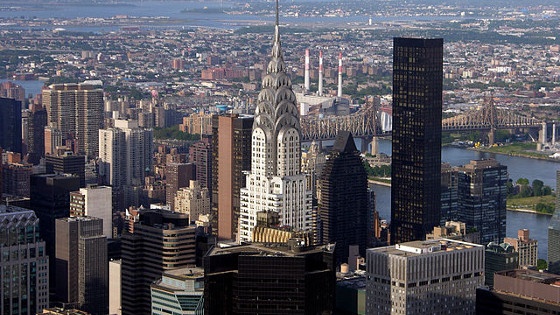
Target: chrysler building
<point>275,182</point>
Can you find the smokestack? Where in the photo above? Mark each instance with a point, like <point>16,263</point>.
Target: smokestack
<point>307,70</point>
<point>320,91</point>
<point>339,74</point>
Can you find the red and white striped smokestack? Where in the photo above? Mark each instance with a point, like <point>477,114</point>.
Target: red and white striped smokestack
<point>320,90</point>
<point>339,74</point>
<point>307,70</point>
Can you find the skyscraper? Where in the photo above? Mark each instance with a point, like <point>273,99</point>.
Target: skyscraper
<point>10,125</point>
<point>125,154</point>
<point>76,110</point>
<point>94,201</point>
<point>50,199</point>
<point>82,267</point>
<point>231,156</point>
<point>25,264</point>
<point>35,141</point>
<point>160,241</point>
<point>416,160</point>
<point>343,206</point>
<point>275,182</point>
<point>424,277</point>
<point>67,163</point>
<point>482,194</point>
<point>277,279</point>
<point>177,175</point>
<point>200,154</point>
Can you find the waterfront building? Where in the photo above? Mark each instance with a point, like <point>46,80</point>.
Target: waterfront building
<point>160,241</point>
<point>82,270</point>
<point>275,182</point>
<point>94,201</point>
<point>520,292</point>
<point>68,163</point>
<point>526,247</point>
<point>416,141</point>
<point>177,175</point>
<point>193,200</point>
<point>343,206</point>
<point>499,257</point>
<point>449,193</point>
<point>179,292</point>
<point>424,277</point>
<point>25,264</point>
<point>279,278</point>
<point>10,125</point>
<point>231,156</point>
<point>482,198</point>
<point>76,110</point>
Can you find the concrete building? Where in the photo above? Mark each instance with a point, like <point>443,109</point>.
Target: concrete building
<point>194,201</point>
<point>179,292</point>
<point>10,125</point>
<point>160,241</point>
<point>416,141</point>
<point>456,231</point>
<point>115,287</point>
<point>526,247</point>
<point>275,182</point>
<point>94,201</point>
<point>276,279</point>
<point>482,198</point>
<point>449,193</point>
<point>312,162</point>
<point>76,110</point>
<point>231,156</point>
<point>53,139</point>
<point>520,292</point>
<point>499,257</point>
<point>24,264</point>
<point>424,277</point>
<point>82,272</point>
<point>200,154</point>
<point>125,157</point>
<point>177,175</point>
<point>16,176</point>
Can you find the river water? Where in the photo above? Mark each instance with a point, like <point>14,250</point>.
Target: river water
<point>517,167</point>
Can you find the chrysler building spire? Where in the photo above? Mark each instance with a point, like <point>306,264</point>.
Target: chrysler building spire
<point>275,182</point>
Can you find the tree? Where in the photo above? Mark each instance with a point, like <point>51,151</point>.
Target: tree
<point>546,190</point>
<point>525,191</point>
<point>538,187</point>
<point>541,264</point>
<point>522,181</point>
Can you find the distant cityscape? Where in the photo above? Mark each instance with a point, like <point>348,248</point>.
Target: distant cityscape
<point>292,157</point>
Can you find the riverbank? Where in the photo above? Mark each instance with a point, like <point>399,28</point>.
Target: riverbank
<point>525,150</point>
<point>528,211</point>
<point>380,181</point>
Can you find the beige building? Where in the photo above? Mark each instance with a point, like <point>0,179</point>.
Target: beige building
<point>424,277</point>
<point>193,200</point>
<point>526,247</point>
<point>76,109</point>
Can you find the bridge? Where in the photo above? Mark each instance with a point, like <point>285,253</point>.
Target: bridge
<point>366,122</point>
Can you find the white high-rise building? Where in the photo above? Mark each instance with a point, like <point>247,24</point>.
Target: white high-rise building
<point>94,201</point>
<point>275,182</point>
<point>125,156</point>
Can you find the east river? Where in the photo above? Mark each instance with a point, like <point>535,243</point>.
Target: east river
<point>517,167</point>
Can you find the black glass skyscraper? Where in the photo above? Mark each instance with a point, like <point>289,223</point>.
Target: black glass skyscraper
<point>344,198</point>
<point>416,165</point>
<point>10,125</point>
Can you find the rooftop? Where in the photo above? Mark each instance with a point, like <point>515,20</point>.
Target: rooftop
<point>417,248</point>
<point>270,249</point>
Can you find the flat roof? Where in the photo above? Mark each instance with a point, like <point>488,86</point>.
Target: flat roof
<point>268,249</point>
<point>418,248</point>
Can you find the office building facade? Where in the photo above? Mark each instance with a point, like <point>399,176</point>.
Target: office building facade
<point>482,196</point>
<point>200,154</point>
<point>94,201</point>
<point>160,241</point>
<point>82,270</point>
<point>526,247</point>
<point>499,257</point>
<point>278,279</point>
<point>231,156</point>
<point>10,125</point>
<point>177,175</point>
<point>424,277</point>
<point>24,263</point>
<point>179,292</point>
<point>67,163</point>
<point>416,141</point>
<point>344,198</point>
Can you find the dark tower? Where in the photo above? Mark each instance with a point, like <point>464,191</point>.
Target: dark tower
<point>416,165</point>
<point>10,125</point>
<point>344,198</point>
